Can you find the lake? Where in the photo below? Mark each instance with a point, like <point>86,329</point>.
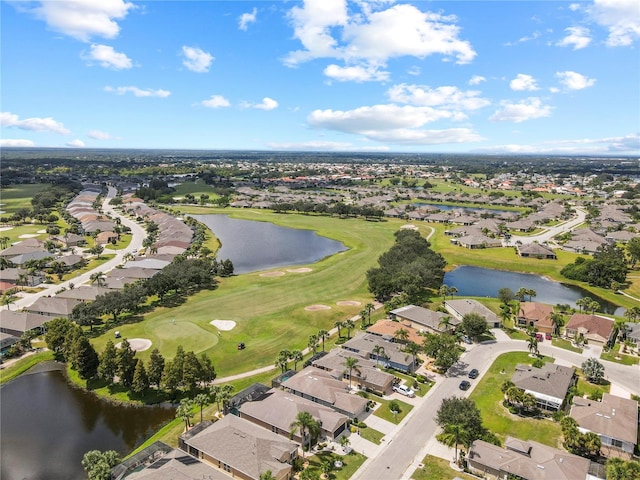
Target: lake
<point>48,425</point>
<point>485,282</point>
<point>254,246</point>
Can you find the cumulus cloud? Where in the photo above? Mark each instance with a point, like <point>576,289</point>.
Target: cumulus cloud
<point>574,80</point>
<point>247,18</point>
<point>319,145</point>
<point>99,135</point>
<point>620,17</point>
<point>578,37</point>
<point>138,92</point>
<point>107,57</point>
<point>524,110</point>
<point>216,101</point>
<point>355,74</point>
<point>445,96</point>
<point>36,124</point>
<point>415,70</point>
<point>82,19</point>
<point>196,59</point>
<point>77,143</point>
<point>366,40</point>
<point>523,82</point>
<point>266,104</point>
<point>624,145</point>
<point>400,124</point>
<point>477,80</point>
<point>16,142</point>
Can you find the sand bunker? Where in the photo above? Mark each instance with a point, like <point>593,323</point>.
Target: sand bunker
<point>348,303</point>
<point>409,226</point>
<point>298,270</point>
<point>4,229</point>
<point>224,325</point>
<point>29,235</point>
<point>272,274</point>
<point>137,344</point>
<point>315,308</point>
<point>42,231</point>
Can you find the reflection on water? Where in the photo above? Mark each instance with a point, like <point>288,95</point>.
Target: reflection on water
<point>47,426</point>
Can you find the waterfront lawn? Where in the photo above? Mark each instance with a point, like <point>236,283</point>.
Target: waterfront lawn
<point>269,312</point>
<point>350,463</point>
<point>566,344</point>
<point>616,356</point>
<point>488,397</point>
<point>22,365</point>
<point>436,468</point>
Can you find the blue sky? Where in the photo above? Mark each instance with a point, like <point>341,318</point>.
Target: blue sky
<point>454,76</point>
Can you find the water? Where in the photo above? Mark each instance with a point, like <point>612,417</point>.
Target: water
<point>254,246</point>
<point>485,282</point>
<point>47,427</point>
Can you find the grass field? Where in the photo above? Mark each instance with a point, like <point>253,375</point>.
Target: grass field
<point>14,197</point>
<point>488,397</point>
<point>436,468</point>
<point>24,364</point>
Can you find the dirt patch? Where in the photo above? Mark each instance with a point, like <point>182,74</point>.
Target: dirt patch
<point>299,270</point>
<point>224,325</point>
<point>272,274</point>
<point>315,308</point>
<point>348,303</point>
<point>137,344</point>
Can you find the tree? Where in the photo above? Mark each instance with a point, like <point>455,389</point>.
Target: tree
<point>619,469</point>
<point>108,362</point>
<point>313,344</point>
<point>349,325</point>
<point>369,308</point>
<point>445,323</point>
<point>322,336</point>
<point>85,314</point>
<point>593,370</point>
<point>506,295</point>
<point>308,426</point>
<point>58,331</point>
<point>583,302</point>
<point>378,351</point>
<point>413,349</point>
<point>521,294</point>
<point>190,372</point>
<point>98,464</point>
<point>98,278</point>
<point>155,368</point>
<point>266,475</point>
<point>339,326</point>
<point>140,382</point>
<point>96,250</point>
<point>185,412</point>
<point>296,356</point>
<point>126,363</point>
<point>401,335</point>
<point>85,358</point>
<point>282,360</point>
<point>202,400</point>
<point>463,412</point>
<point>474,325</point>
<point>633,251</point>
<point>442,348</point>
<point>557,321</point>
<point>453,434</point>
<point>532,345</point>
<point>351,363</point>
<point>220,394</point>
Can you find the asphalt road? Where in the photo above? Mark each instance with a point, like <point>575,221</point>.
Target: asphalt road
<point>550,232</point>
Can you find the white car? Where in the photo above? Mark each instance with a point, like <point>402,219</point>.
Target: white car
<point>404,390</point>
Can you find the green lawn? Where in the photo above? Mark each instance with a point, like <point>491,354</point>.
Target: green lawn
<point>14,197</point>
<point>436,468</point>
<point>196,189</point>
<point>350,463</point>
<point>566,344</point>
<point>585,387</point>
<point>422,389</point>
<point>488,396</point>
<point>24,364</point>
<point>372,435</point>
<point>384,412</point>
<point>616,356</point>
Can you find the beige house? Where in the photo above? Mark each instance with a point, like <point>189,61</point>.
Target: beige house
<point>464,306</point>
<point>534,314</point>
<point>423,319</point>
<point>596,330</point>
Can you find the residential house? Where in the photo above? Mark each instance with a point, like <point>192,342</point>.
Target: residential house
<point>241,448</point>
<point>322,387</point>
<point>174,465</point>
<point>53,306</point>
<point>526,461</point>
<point>25,246</point>
<point>596,330</point>
<point>22,277</point>
<point>17,323</point>
<point>477,241</point>
<point>277,410</point>
<point>6,342</point>
<point>392,356</point>
<point>425,320</point>
<point>387,329</point>
<point>614,419</point>
<point>465,306</point>
<point>549,384</point>
<point>535,250</point>
<point>84,293</point>
<point>632,333</point>
<point>537,315</point>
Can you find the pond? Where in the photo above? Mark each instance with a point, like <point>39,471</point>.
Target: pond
<point>48,426</point>
<point>254,246</point>
<point>485,282</point>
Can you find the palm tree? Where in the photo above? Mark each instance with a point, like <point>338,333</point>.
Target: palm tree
<point>521,294</point>
<point>98,278</point>
<point>453,435</point>
<point>445,323</point>
<point>339,326</point>
<point>202,400</point>
<point>532,293</point>
<point>592,306</point>
<point>309,428</point>
<point>401,335</point>
<point>313,343</point>
<point>369,308</point>
<point>532,345</point>
<point>412,348</point>
<point>453,291</point>
<point>349,325</point>
<point>23,279</point>
<point>444,291</point>
<point>185,412</point>
<point>583,302</point>
<point>282,360</point>
<point>4,242</point>
<point>296,356</point>
<point>557,321</point>
<point>322,336</point>
<point>267,475</point>
<point>351,363</point>
<point>378,351</point>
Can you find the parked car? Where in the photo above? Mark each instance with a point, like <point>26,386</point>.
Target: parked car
<point>467,340</point>
<point>547,336</point>
<point>474,373</point>
<point>404,390</point>
<point>539,337</point>
<point>464,385</point>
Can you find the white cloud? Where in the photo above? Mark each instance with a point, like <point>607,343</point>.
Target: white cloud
<point>99,135</point>
<point>319,145</point>
<point>579,37</point>
<point>369,38</point>
<point>36,124</point>
<point>107,57</point>
<point>575,81</point>
<point>415,70</point>
<point>355,74</point>
<point>629,145</point>
<point>519,112</point>
<point>196,59</point>
<point>216,101</point>
<point>524,39</point>
<point>266,104</point>
<point>75,143</point>
<point>16,142</point>
<point>83,19</point>
<point>138,92</point>
<point>523,82</point>
<point>445,96</point>
<point>247,18</point>
<point>400,124</point>
<point>620,17</point>
<point>477,80</point>
<point>574,7</point>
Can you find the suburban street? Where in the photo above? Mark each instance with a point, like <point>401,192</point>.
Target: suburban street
<point>550,232</point>
<point>401,451</point>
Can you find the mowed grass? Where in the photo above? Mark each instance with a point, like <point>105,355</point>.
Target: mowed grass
<point>436,468</point>
<point>14,197</point>
<point>269,312</point>
<point>488,397</point>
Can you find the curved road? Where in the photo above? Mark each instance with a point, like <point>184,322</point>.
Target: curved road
<point>138,235</point>
<point>396,458</point>
<point>548,234</point>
